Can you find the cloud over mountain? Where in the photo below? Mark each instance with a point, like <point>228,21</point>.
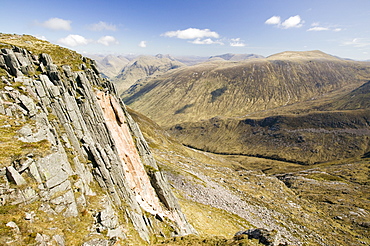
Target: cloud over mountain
<point>236,42</point>
<point>191,33</point>
<point>73,40</point>
<point>206,41</point>
<point>107,40</point>
<point>57,24</point>
<point>142,44</point>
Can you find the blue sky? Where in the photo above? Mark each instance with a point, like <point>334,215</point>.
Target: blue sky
<point>195,27</point>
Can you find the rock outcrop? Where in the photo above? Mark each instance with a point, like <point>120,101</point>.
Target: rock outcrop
<point>89,139</point>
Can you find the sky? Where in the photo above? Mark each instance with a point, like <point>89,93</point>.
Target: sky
<point>195,27</point>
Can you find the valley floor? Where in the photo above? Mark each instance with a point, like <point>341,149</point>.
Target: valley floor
<point>325,204</point>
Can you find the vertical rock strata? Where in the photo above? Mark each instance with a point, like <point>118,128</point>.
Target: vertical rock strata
<point>92,139</point>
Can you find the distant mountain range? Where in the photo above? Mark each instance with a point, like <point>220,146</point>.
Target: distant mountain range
<point>263,151</point>
<point>207,105</point>
<point>125,71</point>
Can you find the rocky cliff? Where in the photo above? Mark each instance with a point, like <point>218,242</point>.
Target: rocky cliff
<point>75,168</point>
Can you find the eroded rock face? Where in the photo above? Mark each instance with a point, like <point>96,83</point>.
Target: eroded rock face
<point>89,134</point>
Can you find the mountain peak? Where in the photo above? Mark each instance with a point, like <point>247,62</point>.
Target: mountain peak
<point>290,55</point>
<point>236,57</point>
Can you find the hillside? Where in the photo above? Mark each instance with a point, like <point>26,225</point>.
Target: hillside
<point>237,57</point>
<point>307,205</point>
<point>110,65</point>
<point>142,67</point>
<point>305,138</point>
<point>75,168</point>
<point>230,89</point>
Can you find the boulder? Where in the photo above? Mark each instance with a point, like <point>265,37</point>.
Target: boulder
<point>264,236</point>
<point>14,177</point>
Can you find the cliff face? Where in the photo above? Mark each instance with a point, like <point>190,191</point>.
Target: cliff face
<point>87,138</point>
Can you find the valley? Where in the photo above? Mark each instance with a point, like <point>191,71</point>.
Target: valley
<point>299,118</point>
<point>230,150</point>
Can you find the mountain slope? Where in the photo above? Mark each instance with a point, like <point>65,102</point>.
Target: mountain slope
<point>222,193</point>
<point>232,89</point>
<point>142,67</point>
<point>305,138</point>
<point>357,99</point>
<point>237,57</point>
<point>110,65</point>
<point>75,168</point>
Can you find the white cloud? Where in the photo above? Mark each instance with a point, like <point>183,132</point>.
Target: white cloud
<point>293,21</point>
<point>337,29</point>
<point>318,28</point>
<point>57,24</point>
<point>74,40</point>
<point>41,37</point>
<point>142,44</point>
<point>358,42</point>
<point>274,20</point>
<point>191,33</point>
<point>206,41</point>
<point>236,42</point>
<point>101,26</point>
<point>107,40</point>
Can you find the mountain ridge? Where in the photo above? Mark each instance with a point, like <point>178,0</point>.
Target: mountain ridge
<point>203,91</point>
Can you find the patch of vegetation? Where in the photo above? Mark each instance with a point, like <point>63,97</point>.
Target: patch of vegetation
<point>324,177</point>
<point>3,72</point>
<point>12,148</point>
<point>60,55</point>
<point>182,110</point>
<point>74,229</point>
<point>193,240</point>
<point>217,93</point>
<point>209,221</point>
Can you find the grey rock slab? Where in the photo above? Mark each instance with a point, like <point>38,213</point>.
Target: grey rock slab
<point>34,173</point>
<point>13,225</point>
<point>42,239</point>
<point>59,240</point>
<point>117,232</point>
<point>54,169</point>
<point>12,63</point>
<point>29,104</point>
<point>45,59</point>
<point>97,242</point>
<point>45,207</point>
<point>108,218</point>
<point>66,185</point>
<point>14,177</point>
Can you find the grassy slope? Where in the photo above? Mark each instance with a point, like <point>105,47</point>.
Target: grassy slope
<point>304,138</point>
<point>60,55</point>
<point>232,89</point>
<point>319,192</point>
<point>75,230</point>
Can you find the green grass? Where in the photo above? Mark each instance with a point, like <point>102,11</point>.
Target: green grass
<point>60,55</point>
<point>12,148</point>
